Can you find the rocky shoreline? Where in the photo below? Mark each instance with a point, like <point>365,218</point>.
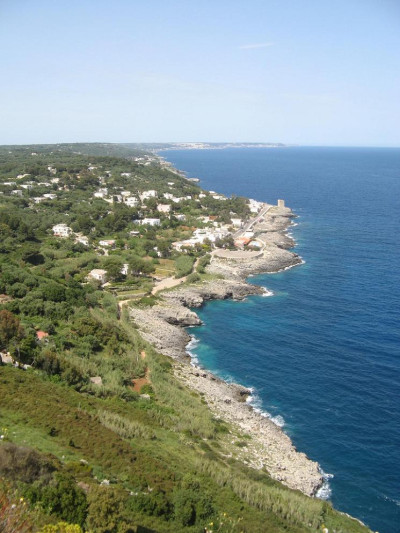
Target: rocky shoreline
<point>163,325</point>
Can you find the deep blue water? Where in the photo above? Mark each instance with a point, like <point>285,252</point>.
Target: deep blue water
<point>323,352</point>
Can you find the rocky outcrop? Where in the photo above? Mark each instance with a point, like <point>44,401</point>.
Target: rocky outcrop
<point>220,289</point>
<point>176,314</point>
<point>171,340</point>
<point>276,238</point>
<point>274,259</point>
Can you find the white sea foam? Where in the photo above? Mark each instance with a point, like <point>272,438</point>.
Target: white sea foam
<point>267,292</point>
<point>302,262</point>
<point>194,341</point>
<point>325,492</point>
<point>255,401</point>
<point>396,502</point>
<point>278,420</point>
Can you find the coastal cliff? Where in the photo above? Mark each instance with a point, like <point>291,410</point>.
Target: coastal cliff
<point>163,325</point>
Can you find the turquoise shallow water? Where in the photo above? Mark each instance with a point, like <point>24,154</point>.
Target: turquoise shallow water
<point>323,352</point>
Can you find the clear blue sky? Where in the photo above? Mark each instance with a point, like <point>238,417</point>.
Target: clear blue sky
<point>319,72</point>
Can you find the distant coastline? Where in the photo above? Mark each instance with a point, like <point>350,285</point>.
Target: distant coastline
<point>215,146</point>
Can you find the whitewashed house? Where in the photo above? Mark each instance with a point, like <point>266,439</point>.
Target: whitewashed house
<point>131,201</point>
<point>145,195</point>
<point>61,230</point>
<point>237,222</point>
<point>255,206</point>
<point>98,274</point>
<point>151,221</point>
<point>164,208</point>
<point>107,243</point>
<point>82,239</point>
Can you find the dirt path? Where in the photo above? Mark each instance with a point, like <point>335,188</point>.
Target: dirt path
<point>138,383</point>
<point>169,283</point>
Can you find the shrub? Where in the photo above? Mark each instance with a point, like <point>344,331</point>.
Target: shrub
<point>153,503</point>
<point>184,265</point>
<point>18,463</point>
<point>106,509</point>
<point>192,278</point>
<point>62,497</point>
<point>203,262</point>
<point>61,527</point>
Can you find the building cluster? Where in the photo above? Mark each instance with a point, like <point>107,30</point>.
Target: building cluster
<point>164,203</point>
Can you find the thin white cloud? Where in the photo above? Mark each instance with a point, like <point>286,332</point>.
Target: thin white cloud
<point>256,45</point>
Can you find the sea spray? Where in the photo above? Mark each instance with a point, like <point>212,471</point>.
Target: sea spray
<point>256,403</point>
<point>194,341</point>
<point>325,492</point>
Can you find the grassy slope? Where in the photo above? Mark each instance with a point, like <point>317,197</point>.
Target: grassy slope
<point>169,445</point>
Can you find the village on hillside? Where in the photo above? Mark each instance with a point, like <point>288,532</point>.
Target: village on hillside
<point>110,212</point>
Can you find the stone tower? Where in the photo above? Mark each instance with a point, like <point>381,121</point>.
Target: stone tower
<point>281,203</point>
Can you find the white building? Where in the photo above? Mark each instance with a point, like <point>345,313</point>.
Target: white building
<point>180,217</point>
<point>50,196</point>
<point>168,195</point>
<point>145,195</point>
<point>107,242</point>
<point>82,239</point>
<point>255,206</point>
<point>219,197</point>
<point>16,192</point>
<point>98,274</point>
<point>126,174</point>
<point>151,221</point>
<point>237,222</point>
<point>164,208</point>
<point>180,245</point>
<point>131,201</point>
<point>125,269</point>
<point>61,230</point>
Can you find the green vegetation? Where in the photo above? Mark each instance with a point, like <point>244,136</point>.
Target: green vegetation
<point>80,448</point>
<point>184,265</point>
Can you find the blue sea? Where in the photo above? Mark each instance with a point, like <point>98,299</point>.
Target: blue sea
<point>323,352</point>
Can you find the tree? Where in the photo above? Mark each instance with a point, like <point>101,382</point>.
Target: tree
<point>10,328</point>
<point>114,266</point>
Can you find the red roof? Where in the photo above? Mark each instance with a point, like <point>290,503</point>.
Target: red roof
<point>41,335</point>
